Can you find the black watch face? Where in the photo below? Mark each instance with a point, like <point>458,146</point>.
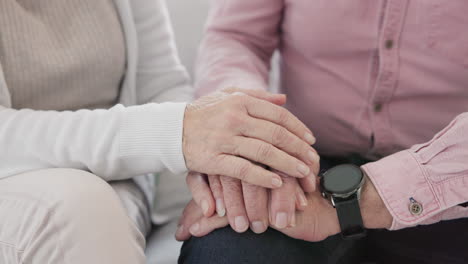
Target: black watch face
<point>342,179</point>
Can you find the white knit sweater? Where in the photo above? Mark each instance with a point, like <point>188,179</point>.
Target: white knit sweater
<point>128,140</point>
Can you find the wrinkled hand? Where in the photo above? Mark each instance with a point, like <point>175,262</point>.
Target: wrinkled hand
<point>247,205</point>
<point>316,222</point>
<point>226,131</point>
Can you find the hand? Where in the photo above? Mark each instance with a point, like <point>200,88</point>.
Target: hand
<point>247,203</point>
<point>317,222</point>
<point>225,131</point>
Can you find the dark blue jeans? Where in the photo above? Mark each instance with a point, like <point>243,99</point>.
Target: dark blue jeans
<point>442,243</point>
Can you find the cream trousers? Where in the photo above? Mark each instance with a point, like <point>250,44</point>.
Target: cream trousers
<point>65,216</point>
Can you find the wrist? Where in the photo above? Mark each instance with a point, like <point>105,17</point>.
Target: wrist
<point>375,214</point>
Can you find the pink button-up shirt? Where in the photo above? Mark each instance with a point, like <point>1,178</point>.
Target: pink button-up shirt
<point>371,77</point>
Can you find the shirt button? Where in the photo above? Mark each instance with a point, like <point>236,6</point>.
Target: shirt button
<point>389,44</point>
<point>378,107</point>
<point>415,207</point>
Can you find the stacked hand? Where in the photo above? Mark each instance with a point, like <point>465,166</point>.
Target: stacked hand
<point>254,166</point>
<point>248,205</point>
<point>314,222</point>
<point>231,133</point>
<point>247,133</point>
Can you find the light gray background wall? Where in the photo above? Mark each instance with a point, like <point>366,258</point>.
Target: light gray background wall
<point>188,19</point>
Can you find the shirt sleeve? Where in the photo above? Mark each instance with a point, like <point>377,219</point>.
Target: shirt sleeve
<point>114,144</point>
<point>434,175</point>
<point>239,41</point>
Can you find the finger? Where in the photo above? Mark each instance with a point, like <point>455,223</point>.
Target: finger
<point>308,184</point>
<point>301,200</point>
<point>256,206</point>
<point>278,99</point>
<point>192,214</point>
<point>281,138</point>
<point>279,115</point>
<point>283,204</point>
<point>235,208</point>
<point>217,190</point>
<point>246,171</point>
<point>201,192</point>
<point>267,154</point>
<point>207,225</point>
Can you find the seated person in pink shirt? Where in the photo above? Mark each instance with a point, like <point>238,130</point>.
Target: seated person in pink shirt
<point>382,85</point>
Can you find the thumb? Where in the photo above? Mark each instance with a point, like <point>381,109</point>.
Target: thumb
<point>278,99</point>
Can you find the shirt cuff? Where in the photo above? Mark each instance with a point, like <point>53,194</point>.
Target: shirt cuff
<point>401,181</point>
<point>152,135</point>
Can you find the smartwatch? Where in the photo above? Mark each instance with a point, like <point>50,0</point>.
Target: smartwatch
<point>342,186</point>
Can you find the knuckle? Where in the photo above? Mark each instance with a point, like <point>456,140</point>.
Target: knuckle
<point>254,207</point>
<point>300,149</point>
<point>280,136</point>
<point>283,116</point>
<point>232,188</point>
<point>243,171</point>
<point>264,152</point>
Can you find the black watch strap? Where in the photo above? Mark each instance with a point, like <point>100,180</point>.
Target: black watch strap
<point>349,216</point>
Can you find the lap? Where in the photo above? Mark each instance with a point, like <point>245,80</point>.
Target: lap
<point>32,199</point>
<point>421,245</point>
<point>227,246</point>
<point>444,242</point>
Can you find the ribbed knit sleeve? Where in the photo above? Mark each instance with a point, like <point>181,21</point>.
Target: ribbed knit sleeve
<point>113,144</point>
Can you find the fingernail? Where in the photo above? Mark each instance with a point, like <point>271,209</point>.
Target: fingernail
<point>313,157</point>
<point>194,229</point>
<point>180,230</point>
<point>241,223</point>
<point>220,208</point>
<point>313,182</point>
<point>281,220</point>
<point>293,220</point>
<point>258,227</point>
<point>303,200</point>
<point>205,207</point>
<point>303,169</point>
<point>317,158</point>
<point>310,139</point>
<point>276,181</point>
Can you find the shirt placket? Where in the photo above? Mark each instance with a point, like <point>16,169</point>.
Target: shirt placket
<point>387,78</point>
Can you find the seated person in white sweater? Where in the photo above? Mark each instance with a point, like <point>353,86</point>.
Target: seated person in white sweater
<point>84,109</point>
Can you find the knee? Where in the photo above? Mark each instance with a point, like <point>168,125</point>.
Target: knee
<point>227,246</point>
<point>78,214</point>
<point>78,197</point>
<point>77,190</point>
